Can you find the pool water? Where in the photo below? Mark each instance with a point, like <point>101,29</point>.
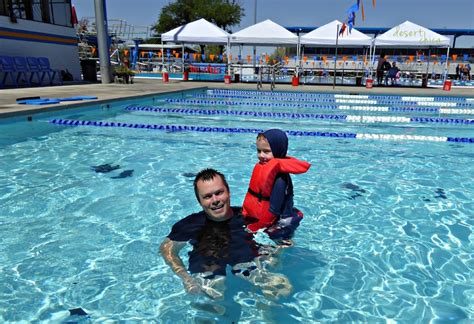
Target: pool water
<point>387,233</point>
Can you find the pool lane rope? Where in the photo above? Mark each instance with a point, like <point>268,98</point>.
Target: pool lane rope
<point>344,99</point>
<point>346,96</point>
<point>319,106</point>
<point>286,115</point>
<point>204,129</point>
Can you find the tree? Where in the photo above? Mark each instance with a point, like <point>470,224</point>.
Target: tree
<point>223,13</point>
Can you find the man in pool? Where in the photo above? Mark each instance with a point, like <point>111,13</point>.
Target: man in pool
<point>219,238</point>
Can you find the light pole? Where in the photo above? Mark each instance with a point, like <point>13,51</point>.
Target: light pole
<point>102,41</point>
<point>254,22</point>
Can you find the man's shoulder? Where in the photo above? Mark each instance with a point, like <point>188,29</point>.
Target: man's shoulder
<point>236,210</point>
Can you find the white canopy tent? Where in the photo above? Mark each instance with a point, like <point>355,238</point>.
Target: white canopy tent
<point>327,35</point>
<point>197,32</point>
<point>410,35</point>
<point>264,33</point>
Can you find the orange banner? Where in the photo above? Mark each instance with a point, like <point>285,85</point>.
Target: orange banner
<point>211,56</point>
<point>249,58</point>
<point>454,56</point>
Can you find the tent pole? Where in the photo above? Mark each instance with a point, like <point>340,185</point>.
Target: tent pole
<point>228,56</point>
<point>446,66</point>
<point>335,58</point>
<point>182,57</point>
<point>301,57</point>
<point>162,56</point>
<point>372,61</point>
<point>428,62</point>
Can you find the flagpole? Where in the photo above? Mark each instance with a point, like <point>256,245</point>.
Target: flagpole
<point>335,58</point>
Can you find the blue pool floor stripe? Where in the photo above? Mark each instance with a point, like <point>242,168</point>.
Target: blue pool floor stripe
<point>203,129</point>
<point>286,115</point>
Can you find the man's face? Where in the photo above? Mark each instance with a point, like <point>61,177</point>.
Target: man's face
<point>214,199</point>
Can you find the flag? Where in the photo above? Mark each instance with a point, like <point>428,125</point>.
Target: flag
<point>343,28</point>
<point>74,20</point>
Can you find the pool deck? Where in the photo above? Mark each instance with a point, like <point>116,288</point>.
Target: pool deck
<point>144,87</point>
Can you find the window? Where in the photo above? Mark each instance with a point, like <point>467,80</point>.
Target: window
<point>61,12</point>
<point>18,9</point>
<point>56,12</point>
<point>3,8</point>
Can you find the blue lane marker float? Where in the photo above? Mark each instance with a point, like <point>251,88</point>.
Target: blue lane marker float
<point>267,114</point>
<point>297,105</point>
<point>203,129</point>
<point>284,115</point>
<point>342,99</point>
<point>338,98</point>
<point>319,95</point>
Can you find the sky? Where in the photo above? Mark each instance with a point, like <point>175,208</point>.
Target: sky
<point>312,13</point>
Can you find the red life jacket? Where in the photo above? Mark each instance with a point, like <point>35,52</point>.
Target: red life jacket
<point>257,200</point>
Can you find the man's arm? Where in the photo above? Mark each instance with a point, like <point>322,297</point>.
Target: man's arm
<point>170,251</point>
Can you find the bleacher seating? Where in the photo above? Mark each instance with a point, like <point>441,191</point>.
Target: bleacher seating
<point>45,66</point>
<point>7,68</point>
<point>18,71</point>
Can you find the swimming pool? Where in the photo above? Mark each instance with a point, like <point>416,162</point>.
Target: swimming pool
<point>388,204</point>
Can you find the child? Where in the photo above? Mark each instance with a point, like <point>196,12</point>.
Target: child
<point>269,200</point>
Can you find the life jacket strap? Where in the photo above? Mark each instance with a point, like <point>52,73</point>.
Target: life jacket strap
<point>258,195</point>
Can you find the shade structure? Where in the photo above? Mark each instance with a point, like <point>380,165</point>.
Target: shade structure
<point>327,35</point>
<point>197,32</point>
<point>409,34</point>
<point>264,33</point>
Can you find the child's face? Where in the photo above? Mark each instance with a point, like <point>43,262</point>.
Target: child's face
<point>264,151</point>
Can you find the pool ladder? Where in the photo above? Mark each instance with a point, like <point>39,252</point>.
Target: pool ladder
<point>271,75</point>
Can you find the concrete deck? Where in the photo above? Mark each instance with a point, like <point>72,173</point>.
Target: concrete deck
<point>144,87</point>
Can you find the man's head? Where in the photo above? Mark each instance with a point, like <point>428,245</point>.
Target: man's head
<point>213,194</point>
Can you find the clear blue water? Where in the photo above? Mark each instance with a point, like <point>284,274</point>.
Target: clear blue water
<point>387,233</point>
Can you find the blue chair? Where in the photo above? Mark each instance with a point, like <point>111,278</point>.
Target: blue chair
<point>22,70</point>
<point>45,66</point>
<point>22,64</point>
<point>34,67</point>
<point>7,67</point>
